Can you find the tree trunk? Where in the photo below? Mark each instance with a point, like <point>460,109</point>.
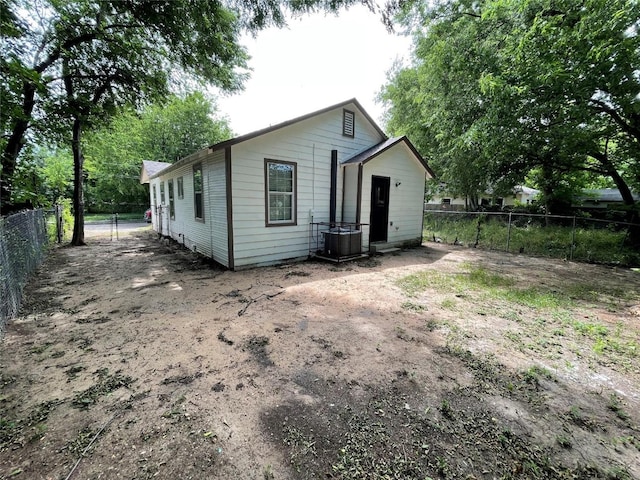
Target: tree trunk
<point>633,236</point>
<point>78,179</point>
<point>14,146</point>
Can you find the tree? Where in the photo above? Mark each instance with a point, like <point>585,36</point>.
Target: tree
<point>535,85</point>
<point>181,126</point>
<point>43,176</point>
<point>83,59</point>
<point>163,132</point>
<point>438,101</point>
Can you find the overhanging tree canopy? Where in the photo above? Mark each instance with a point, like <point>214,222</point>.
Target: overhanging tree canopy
<point>500,87</point>
<point>76,61</point>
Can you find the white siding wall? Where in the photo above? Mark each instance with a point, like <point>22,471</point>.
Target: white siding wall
<point>208,237</point>
<point>405,201</point>
<point>350,193</point>
<point>216,193</point>
<point>437,200</point>
<point>307,143</point>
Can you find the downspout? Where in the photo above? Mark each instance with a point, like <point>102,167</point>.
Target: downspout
<point>359,194</point>
<point>334,186</point>
<point>209,213</point>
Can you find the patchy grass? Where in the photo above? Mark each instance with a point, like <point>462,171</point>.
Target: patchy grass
<point>400,433</point>
<point>413,307</point>
<point>550,310</point>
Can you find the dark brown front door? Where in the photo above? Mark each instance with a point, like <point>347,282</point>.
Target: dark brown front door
<point>379,208</point>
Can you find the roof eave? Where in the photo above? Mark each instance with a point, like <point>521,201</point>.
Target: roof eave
<point>408,143</point>
<point>257,133</point>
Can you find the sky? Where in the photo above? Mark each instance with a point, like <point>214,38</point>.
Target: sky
<point>317,61</point>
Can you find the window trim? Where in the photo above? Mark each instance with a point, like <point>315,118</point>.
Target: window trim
<point>294,195</point>
<point>198,167</point>
<point>345,132</point>
<point>180,187</point>
<point>162,196</point>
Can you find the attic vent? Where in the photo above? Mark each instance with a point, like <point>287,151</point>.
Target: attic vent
<point>348,123</point>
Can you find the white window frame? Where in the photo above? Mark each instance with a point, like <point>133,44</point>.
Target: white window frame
<point>198,168</point>
<point>293,194</point>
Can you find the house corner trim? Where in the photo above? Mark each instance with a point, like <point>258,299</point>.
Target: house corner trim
<point>227,171</point>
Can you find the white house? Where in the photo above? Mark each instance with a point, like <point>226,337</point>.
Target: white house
<point>520,195</point>
<point>329,183</point>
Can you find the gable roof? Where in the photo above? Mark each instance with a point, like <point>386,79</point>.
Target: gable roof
<point>150,168</point>
<point>257,133</point>
<point>371,153</point>
<point>243,138</point>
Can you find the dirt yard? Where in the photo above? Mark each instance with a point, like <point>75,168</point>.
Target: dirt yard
<point>134,359</point>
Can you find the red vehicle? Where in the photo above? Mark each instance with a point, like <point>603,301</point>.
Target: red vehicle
<point>147,215</point>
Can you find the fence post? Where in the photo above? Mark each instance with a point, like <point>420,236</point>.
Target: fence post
<point>509,233</point>
<point>114,223</point>
<point>59,224</point>
<point>573,238</point>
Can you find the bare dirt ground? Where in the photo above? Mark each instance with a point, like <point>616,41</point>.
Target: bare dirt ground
<point>135,359</point>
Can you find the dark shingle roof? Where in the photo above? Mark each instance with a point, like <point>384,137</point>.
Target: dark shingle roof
<point>371,153</point>
<point>150,168</point>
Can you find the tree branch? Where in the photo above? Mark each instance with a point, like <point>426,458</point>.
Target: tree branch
<point>617,118</point>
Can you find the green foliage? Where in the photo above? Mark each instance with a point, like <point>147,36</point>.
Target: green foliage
<point>162,132</point>
<point>499,88</point>
<point>42,176</point>
<point>181,126</point>
<point>67,221</point>
<point>83,60</point>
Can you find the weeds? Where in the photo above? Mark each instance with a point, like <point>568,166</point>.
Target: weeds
<point>18,432</point>
<point>534,373</point>
<point>615,405</point>
<point>564,441</point>
<point>40,348</point>
<point>530,236</point>
<point>106,384</point>
<point>413,307</point>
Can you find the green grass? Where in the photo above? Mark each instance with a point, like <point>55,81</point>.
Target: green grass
<point>99,217</point>
<point>479,279</point>
<point>547,315</point>
<point>530,236</point>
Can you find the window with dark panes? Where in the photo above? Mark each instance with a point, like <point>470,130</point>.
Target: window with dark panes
<point>198,200</point>
<point>162,193</point>
<point>281,192</point>
<point>180,188</point>
<point>172,209</point>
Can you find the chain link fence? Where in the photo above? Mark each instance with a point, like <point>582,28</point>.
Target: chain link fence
<point>556,236</point>
<point>23,238</point>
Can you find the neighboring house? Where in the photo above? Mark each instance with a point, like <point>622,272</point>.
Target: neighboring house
<point>521,195</point>
<point>150,168</point>
<point>277,194</point>
<point>601,199</point>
